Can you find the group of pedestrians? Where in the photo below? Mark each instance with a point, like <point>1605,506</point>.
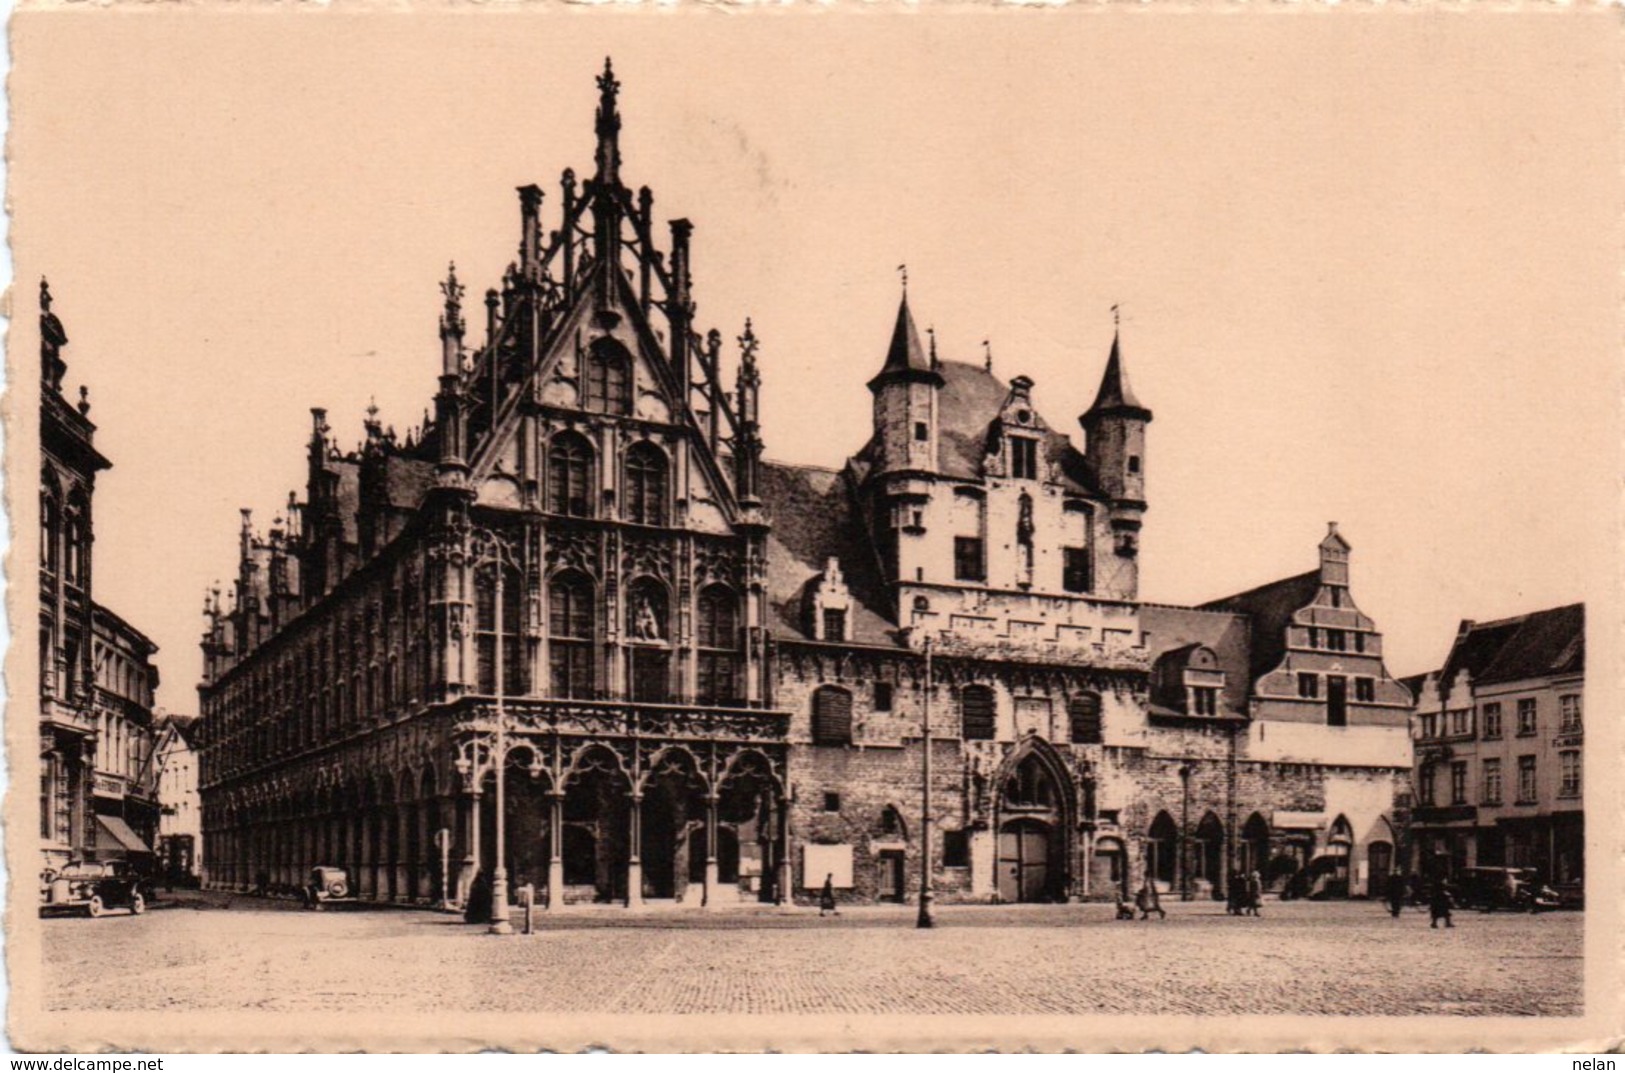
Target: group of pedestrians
<point>1441,897</point>
<point>1245,894</point>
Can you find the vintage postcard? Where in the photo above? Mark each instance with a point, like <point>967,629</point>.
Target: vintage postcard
<point>893,527</point>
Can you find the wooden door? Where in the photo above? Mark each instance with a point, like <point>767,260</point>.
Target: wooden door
<point>1023,861</point>
<point>891,876</point>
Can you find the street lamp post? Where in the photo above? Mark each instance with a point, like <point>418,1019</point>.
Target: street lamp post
<point>489,549</point>
<point>925,920</point>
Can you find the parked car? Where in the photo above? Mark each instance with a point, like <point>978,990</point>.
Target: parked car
<point>1518,889</point>
<point>94,886</point>
<point>327,886</point>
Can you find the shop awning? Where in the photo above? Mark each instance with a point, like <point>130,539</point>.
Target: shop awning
<point>113,833</point>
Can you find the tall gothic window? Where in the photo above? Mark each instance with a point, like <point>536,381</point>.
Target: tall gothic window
<point>648,656</point>
<point>645,485</point>
<point>74,545</point>
<point>485,631</point>
<point>976,713</point>
<point>608,378</point>
<point>718,659</point>
<point>50,520</point>
<point>569,475</point>
<point>570,631</point>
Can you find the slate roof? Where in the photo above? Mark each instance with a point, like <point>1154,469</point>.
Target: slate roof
<point>1270,608</point>
<point>1226,633</point>
<point>814,519</point>
<point>905,353</point>
<point>1535,645</point>
<point>969,401</point>
<point>1115,392</point>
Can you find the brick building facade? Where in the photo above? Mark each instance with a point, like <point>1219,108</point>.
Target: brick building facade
<point>707,676</point>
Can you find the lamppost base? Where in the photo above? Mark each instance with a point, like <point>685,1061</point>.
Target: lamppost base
<point>501,927</point>
<point>925,919</point>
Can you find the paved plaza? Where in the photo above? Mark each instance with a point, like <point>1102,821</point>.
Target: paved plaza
<point>1305,958</point>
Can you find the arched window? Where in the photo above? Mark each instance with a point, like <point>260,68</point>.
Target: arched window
<point>608,378</point>
<point>1083,713</point>
<point>485,631</point>
<point>645,501</point>
<point>74,547</point>
<point>648,654</point>
<point>976,713</point>
<point>831,716</point>
<point>718,646</point>
<point>50,521</point>
<point>569,475</point>
<point>1029,786</point>
<point>570,630</point>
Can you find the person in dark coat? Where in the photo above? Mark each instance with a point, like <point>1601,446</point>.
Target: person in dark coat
<point>477,907</point>
<point>1235,894</point>
<point>1396,894</point>
<point>1416,889</point>
<point>1440,904</point>
<point>1149,901</point>
<point>826,897</point>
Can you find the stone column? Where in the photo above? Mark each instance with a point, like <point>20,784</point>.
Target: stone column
<point>471,862</point>
<point>555,850</point>
<point>782,893</point>
<point>709,897</point>
<point>634,859</point>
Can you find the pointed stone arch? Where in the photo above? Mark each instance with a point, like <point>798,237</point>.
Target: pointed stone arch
<point>1035,822</point>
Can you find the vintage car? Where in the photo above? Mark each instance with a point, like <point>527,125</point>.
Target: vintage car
<point>1517,889</point>
<point>327,886</point>
<point>94,886</point>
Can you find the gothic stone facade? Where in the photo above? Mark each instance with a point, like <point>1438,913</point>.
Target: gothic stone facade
<point>708,676</point>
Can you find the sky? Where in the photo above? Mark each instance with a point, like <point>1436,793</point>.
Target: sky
<point>1366,260</point>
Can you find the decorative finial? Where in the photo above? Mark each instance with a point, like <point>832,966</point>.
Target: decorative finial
<point>44,295</point>
<point>84,400</point>
<point>987,354</point>
<point>748,345</point>
<point>902,270</point>
<point>606,81</point>
<point>931,331</point>
<point>1116,317</point>
<point>372,408</point>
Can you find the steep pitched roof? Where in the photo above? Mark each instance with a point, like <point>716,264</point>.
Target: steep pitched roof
<point>905,354</point>
<point>1526,646</point>
<point>1270,607</point>
<point>969,401</point>
<point>1115,392</point>
<point>814,521</point>
<point>1171,629</point>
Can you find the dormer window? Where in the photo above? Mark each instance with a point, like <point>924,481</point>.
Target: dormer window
<point>1204,700</point>
<point>1023,458</point>
<point>834,625</point>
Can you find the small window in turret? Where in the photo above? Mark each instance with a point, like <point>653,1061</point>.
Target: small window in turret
<point>922,431</point>
<point>1134,463</point>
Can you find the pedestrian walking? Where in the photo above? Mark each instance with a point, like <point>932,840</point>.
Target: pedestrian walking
<point>477,906</point>
<point>1440,904</point>
<point>1396,894</point>
<point>826,897</point>
<point>1149,902</point>
<point>1255,893</point>
<point>1235,894</point>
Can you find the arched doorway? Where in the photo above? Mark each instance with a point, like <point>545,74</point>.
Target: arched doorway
<point>673,807</point>
<point>1255,846</point>
<point>1109,870</point>
<point>751,823</point>
<point>1033,820</point>
<point>1207,858</point>
<point>597,823</point>
<point>1162,852</point>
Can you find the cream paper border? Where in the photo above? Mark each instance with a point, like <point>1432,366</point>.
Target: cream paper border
<point>34,1028</point>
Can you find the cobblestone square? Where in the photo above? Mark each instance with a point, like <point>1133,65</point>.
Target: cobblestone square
<point>1299,958</point>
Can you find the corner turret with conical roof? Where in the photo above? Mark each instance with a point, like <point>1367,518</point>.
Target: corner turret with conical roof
<point>1115,450</point>
<point>905,408</point>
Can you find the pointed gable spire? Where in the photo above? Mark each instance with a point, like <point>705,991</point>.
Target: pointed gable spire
<point>609,127</point>
<point>1115,395</point>
<point>905,357</point>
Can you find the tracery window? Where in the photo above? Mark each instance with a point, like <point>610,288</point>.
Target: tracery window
<point>645,485</point>
<point>718,659</point>
<point>569,475</point>
<point>570,635</point>
<point>608,378</point>
<point>485,631</point>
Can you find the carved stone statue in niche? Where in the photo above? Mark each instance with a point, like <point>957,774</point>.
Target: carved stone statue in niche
<point>645,623</point>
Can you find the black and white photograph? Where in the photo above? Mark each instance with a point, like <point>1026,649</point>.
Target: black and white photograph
<point>926,527</point>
